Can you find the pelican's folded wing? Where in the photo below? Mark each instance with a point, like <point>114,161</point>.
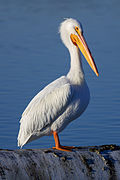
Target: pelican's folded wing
<point>45,107</point>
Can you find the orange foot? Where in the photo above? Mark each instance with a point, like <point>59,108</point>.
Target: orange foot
<point>58,146</point>
<point>64,148</point>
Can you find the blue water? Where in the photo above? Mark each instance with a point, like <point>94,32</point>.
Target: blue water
<point>32,55</point>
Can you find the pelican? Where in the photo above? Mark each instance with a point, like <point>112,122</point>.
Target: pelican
<point>63,100</point>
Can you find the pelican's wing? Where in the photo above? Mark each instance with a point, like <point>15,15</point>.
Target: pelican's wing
<point>45,107</point>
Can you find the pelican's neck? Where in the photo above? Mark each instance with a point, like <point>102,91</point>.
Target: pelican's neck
<point>76,74</point>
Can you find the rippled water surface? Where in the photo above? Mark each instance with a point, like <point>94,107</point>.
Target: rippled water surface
<point>32,55</point>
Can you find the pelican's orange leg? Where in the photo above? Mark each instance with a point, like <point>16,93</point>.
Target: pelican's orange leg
<point>57,143</point>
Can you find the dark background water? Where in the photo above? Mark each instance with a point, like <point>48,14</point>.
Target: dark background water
<point>32,55</point>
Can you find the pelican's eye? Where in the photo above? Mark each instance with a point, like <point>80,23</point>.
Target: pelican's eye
<point>76,29</point>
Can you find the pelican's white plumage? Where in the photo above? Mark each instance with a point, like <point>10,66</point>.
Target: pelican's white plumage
<point>63,100</point>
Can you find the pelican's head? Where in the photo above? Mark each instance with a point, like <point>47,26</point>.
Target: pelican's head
<point>71,33</point>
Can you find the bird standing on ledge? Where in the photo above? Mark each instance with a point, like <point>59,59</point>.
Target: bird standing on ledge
<point>63,100</point>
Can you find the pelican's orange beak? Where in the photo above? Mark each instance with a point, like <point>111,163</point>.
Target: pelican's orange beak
<point>79,41</point>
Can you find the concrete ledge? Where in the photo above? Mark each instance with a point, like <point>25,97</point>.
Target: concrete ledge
<point>84,163</point>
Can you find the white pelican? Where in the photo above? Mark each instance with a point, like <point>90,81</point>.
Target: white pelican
<point>63,100</point>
